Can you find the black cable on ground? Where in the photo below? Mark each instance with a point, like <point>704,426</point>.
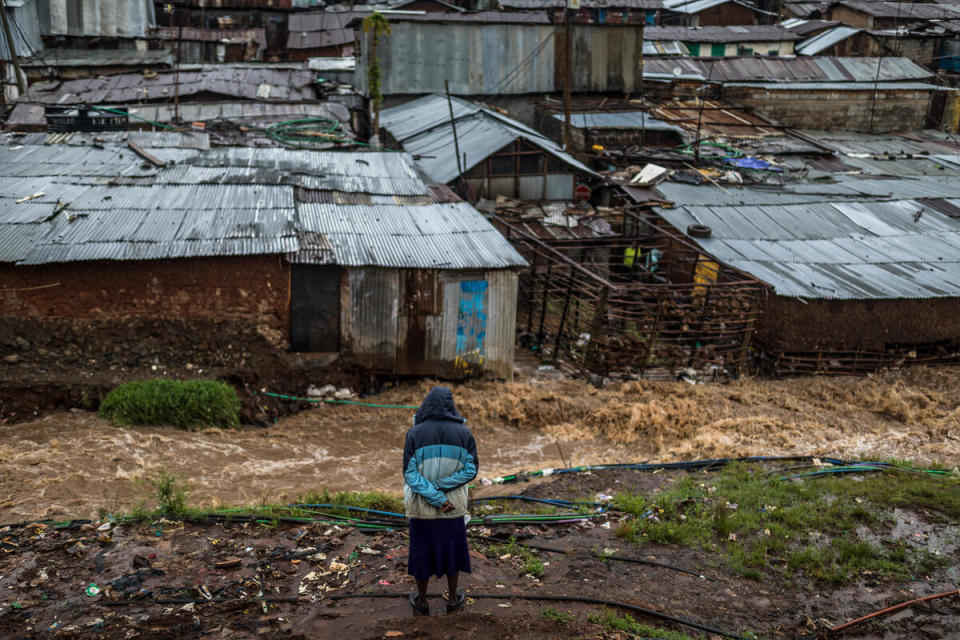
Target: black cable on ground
<point>597,555</point>
<point>562,598</point>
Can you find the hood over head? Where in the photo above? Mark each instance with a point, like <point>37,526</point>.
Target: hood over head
<point>439,405</point>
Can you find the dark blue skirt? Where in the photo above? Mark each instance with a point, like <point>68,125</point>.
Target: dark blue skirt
<point>438,547</point>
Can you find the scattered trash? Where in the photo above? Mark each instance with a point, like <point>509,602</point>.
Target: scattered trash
<point>504,605</point>
<point>36,195</point>
<point>393,634</point>
<point>650,175</point>
<point>343,394</point>
<point>384,583</point>
<point>190,606</point>
<point>104,527</point>
<point>370,552</point>
<point>93,590</point>
<point>227,563</point>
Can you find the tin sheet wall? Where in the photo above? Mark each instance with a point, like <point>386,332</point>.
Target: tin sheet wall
<point>451,324</point>
<point>477,59</point>
<point>497,59</point>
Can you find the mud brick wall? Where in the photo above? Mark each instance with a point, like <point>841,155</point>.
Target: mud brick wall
<point>251,290</point>
<point>896,110</point>
<point>790,325</point>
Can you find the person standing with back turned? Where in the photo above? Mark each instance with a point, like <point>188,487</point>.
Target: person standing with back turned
<point>439,459</point>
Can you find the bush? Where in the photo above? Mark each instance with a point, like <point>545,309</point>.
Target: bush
<point>190,404</point>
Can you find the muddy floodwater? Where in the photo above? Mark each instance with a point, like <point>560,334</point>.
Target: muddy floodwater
<point>73,464</point>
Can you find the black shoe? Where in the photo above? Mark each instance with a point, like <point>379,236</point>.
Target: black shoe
<point>454,605</point>
<point>418,609</point>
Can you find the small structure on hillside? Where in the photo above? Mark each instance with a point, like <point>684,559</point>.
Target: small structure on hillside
<point>734,40</point>
<point>499,156</point>
<point>708,13</point>
<point>336,252</point>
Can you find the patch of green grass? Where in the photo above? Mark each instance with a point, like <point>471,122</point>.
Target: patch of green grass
<point>559,617</point>
<point>169,491</point>
<point>818,525</point>
<point>529,562</point>
<point>187,404</point>
<point>611,620</point>
<point>367,499</point>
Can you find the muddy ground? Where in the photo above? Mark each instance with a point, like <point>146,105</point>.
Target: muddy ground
<point>168,580</point>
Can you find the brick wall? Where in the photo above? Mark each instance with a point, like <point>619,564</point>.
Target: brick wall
<point>789,325</point>
<point>252,290</point>
<point>896,110</point>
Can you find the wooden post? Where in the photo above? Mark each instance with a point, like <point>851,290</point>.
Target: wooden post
<point>543,307</point>
<point>567,75</point>
<point>456,143</point>
<point>21,84</point>
<point>745,346</point>
<point>563,317</point>
<point>598,313</point>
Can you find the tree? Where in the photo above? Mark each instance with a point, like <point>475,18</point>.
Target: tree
<point>378,26</point>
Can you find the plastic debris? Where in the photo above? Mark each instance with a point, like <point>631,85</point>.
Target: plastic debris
<point>92,590</point>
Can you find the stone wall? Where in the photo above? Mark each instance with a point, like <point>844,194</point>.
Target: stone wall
<point>250,290</point>
<point>846,110</point>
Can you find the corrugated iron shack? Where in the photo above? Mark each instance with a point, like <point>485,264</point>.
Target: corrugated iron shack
<point>498,53</point>
<point>859,249</point>
<point>499,156</point>
<point>334,252</point>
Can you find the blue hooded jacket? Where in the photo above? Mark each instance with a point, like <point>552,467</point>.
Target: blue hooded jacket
<point>439,458</point>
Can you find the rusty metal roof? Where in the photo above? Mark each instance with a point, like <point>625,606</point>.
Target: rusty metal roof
<point>786,70</point>
<point>736,33</point>
<point>65,199</point>
<point>250,83</point>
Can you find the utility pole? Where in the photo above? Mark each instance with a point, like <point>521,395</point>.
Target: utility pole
<point>21,84</point>
<point>567,68</point>
<point>643,105</point>
<point>176,77</point>
<point>456,142</point>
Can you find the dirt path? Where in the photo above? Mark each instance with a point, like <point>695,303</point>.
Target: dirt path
<point>72,464</point>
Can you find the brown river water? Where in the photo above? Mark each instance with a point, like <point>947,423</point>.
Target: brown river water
<point>72,464</point>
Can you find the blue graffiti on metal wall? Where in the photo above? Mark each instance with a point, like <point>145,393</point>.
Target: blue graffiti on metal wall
<point>471,323</point>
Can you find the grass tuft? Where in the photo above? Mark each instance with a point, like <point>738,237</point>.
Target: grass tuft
<point>187,404</point>
<point>824,526</point>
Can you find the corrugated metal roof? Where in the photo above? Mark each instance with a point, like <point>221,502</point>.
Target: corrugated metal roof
<point>737,33</point>
<point>618,120</point>
<point>856,238</point>
<point>904,12</point>
<point>696,6</point>
<point>787,70</point>
<point>104,203</point>
<point>823,41</point>
<point>840,86</point>
<point>584,4</point>
<point>664,48</point>
<point>423,129</point>
<point>442,236</point>
<point>802,26</point>
<point>251,83</point>
<point>99,58</point>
